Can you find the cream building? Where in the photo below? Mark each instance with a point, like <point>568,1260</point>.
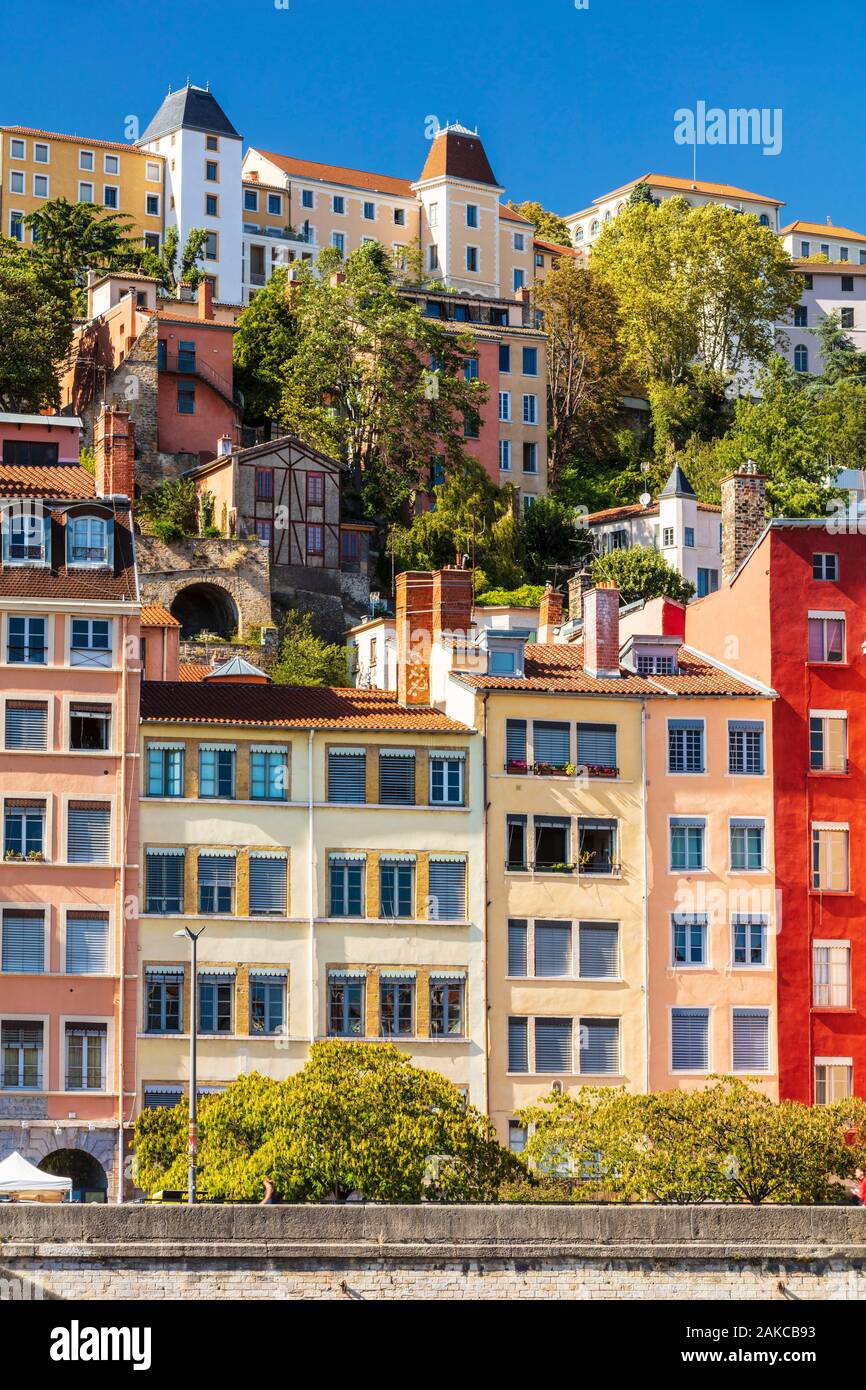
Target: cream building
<point>587,225</point>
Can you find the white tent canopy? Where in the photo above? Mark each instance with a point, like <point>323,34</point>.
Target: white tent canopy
<point>19,1178</point>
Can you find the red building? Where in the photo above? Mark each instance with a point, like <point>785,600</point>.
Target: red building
<point>792,613</point>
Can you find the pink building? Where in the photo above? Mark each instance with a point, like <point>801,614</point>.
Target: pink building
<point>69,652</point>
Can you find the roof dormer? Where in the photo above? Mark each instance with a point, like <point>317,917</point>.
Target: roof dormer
<point>653,655</point>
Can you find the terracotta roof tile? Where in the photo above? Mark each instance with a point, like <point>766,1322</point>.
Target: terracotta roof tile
<point>823,229</point>
<point>85,140</point>
<point>288,706</point>
<point>154,615</point>
<point>52,480</point>
<point>59,582</point>
<point>192,671</point>
<point>458,154</point>
<point>336,173</point>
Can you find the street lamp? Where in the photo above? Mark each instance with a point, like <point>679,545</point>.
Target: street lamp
<point>192,937</point>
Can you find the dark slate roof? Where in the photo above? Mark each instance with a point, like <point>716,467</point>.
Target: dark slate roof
<point>192,108</point>
<point>677,484</point>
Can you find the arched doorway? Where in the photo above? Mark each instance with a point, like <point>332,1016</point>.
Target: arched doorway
<point>205,608</point>
<point>89,1180</point>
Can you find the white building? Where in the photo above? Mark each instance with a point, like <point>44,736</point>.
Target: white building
<point>203,157</point>
<point>586,226</point>
<point>831,262</point>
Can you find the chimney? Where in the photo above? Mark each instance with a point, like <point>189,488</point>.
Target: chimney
<point>338,278</point>
<point>114,447</point>
<point>550,614</point>
<point>744,501</point>
<point>577,587</point>
<point>414,610</point>
<point>205,300</point>
<point>224,445</point>
<point>452,600</point>
<point>601,631</point>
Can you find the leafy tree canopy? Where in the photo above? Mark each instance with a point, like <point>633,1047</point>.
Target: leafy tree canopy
<point>36,324</point>
<point>77,237</point>
<point>641,573</point>
<point>263,346</point>
<point>305,659</point>
<point>526,596</point>
<point>548,226</point>
<point>171,511</point>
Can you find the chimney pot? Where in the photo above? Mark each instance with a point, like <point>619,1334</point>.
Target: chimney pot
<point>744,503</point>
<point>601,631</point>
<point>578,585</point>
<point>114,447</point>
<point>549,613</point>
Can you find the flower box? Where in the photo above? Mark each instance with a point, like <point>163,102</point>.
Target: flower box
<point>516,765</point>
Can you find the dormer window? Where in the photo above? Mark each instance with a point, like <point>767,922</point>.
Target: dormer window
<point>88,541</point>
<point>25,536</point>
<point>651,655</point>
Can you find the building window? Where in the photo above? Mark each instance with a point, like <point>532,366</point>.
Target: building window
<point>515,847</point>
<point>269,774</point>
<point>599,1047</point>
<point>26,643</point>
<point>399,217</point>
<point>518,279</point>
<point>833,1081</point>
<point>530,410</point>
<point>685,745</point>
<point>164,881</point>
<point>446,1007</point>
<point>516,1137</point>
<point>689,537</point>
<point>369,212</point>
<point>846,314</point>
<point>163,1000</point>
<point>751,1040</point>
<point>831,974</point>
<point>268,885</point>
<point>801,316</point>
<point>470,369</point>
<point>212,171</point>
<point>216,772</point>
<point>211,205</point>
<point>345,1006</point>
<point>596,749</point>
<point>40,190</point>
<point>88,833</point>
<point>551,744</point>
<point>251,200</point>
<point>690,1029</point>
<point>515,745</point>
<point>151,204</point>
<point>347,775</point>
<point>216,883</point>
<point>85,1056</point>
<point>396,889</point>
<point>517,948</point>
<point>828,742</point>
<point>598,951</point>
<point>597,846</point>
<point>505,455</point>
<point>16,226</point>
<point>24,829</point>
<point>264,484</point>
<point>826,566</point>
<point>267,1004</point>
<point>26,725</point>
<point>264,531</point>
<point>749,940</point>
<point>110,194</point>
<point>827,637</point>
<point>689,945</point>
<point>345,887</point>
<point>23,941</point>
<point>801,358</point>
<point>315,539</point>
<point>518,1045</point>
<point>552,958</point>
<point>471,215</point>
<point>447,889</point>
<point>21,1045</point>
<point>24,534</point>
<point>747,845</point>
<point>530,361</point>
<point>530,457</point>
<point>505,405</point>
<point>446,780</point>
<point>708,582</point>
<point>165,770</point>
<point>17,149</point>
<point>88,541</point>
<point>433,257</point>
<point>211,247</point>
<point>215,998</point>
<point>338,204</point>
<point>830,858</point>
<point>472,259</point>
<point>89,728</point>
<point>186,398</point>
<point>396,1008</point>
<point>687,844</point>
<point>552,843</point>
<point>745,746</point>
<point>396,777</point>
<point>306,197</point>
<point>553,1045</point>
<point>87,943</point>
<point>315,489</point>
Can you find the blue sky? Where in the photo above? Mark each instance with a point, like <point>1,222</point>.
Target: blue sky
<point>570,102</point>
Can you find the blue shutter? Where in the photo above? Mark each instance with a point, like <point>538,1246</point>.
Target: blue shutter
<point>551,743</point>
<point>347,777</point>
<point>447,890</point>
<point>165,881</point>
<point>86,944</point>
<point>89,833</point>
<point>267,885</point>
<point>596,745</point>
<point>24,942</point>
<point>515,741</point>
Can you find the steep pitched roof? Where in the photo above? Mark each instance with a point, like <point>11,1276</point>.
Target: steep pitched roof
<point>49,480</point>
<point>336,173</point>
<point>59,581</point>
<point>190,108</point>
<point>677,484</point>
<point>287,706</point>
<point>458,153</point>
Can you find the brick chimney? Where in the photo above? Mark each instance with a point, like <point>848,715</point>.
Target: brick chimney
<point>601,631</point>
<point>550,613</point>
<point>577,587</point>
<point>114,447</point>
<point>452,600</point>
<point>744,503</point>
<point>205,300</point>
<point>414,612</point>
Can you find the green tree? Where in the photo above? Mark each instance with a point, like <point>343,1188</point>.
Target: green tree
<point>641,573</point>
<point>171,511</point>
<point>585,378</point>
<point>550,538</point>
<point>840,358</point>
<point>641,193</point>
<point>359,1117</point>
<point>842,423</point>
<point>36,322</point>
<point>305,659</point>
<point>526,596</point>
<point>548,226</point>
<point>174,267</point>
<point>77,237</point>
<point>374,382</point>
<point>263,346</point>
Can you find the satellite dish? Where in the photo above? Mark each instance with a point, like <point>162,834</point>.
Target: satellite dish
<point>645,499</point>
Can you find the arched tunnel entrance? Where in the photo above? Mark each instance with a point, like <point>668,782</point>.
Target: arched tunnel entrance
<point>205,608</point>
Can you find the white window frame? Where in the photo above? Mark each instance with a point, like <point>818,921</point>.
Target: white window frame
<point>37,178</point>
<point>825,716</point>
<point>149,167</point>
<point>828,1062</point>
<point>18,176</point>
<point>453,757</point>
<point>530,408</point>
<point>33,1017</point>
<point>99,909</point>
<point>107,167</point>
<point>831,944</point>
<point>83,156</point>
<point>83,1020</point>
<point>45,909</point>
<point>683,1071</point>
<point>111,665</point>
<point>505,406</point>
<point>111,861</point>
<point>86,183</point>
<point>106,188</point>
<point>17,141</point>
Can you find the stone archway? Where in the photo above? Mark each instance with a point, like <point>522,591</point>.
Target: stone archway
<point>205,608</point>
<point>39,1142</point>
<point>89,1178</point>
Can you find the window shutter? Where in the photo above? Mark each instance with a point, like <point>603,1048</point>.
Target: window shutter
<point>24,942</point>
<point>518,1044</point>
<point>89,833</point>
<point>26,725</point>
<point>268,885</point>
<point>599,950</point>
<point>216,871</point>
<point>550,743</point>
<point>596,745</point>
<point>751,1040</point>
<point>165,881</point>
<point>86,944</point>
<point>553,1044</point>
<point>396,778</point>
<point>690,1039</point>
<point>162,1098</point>
<point>517,947</point>
<point>515,740</point>
<point>447,889</point>
<point>599,1046</point>
<point>346,777</point>
<point>552,948</point>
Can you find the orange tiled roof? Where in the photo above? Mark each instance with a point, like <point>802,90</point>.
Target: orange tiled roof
<point>336,173</point>
<point>154,615</point>
<point>823,229</point>
<point>555,247</point>
<point>636,509</point>
<point>192,671</point>
<point>53,480</point>
<point>85,140</point>
<point>724,190</point>
<point>457,153</point>
<point>192,701</point>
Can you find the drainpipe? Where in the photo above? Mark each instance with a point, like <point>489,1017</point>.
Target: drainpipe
<point>646,1023</point>
<point>311,889</point>
<point>123,823</point>
<point>485,1058</point>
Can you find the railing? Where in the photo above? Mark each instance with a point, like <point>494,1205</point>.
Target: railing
<point>189,364</point>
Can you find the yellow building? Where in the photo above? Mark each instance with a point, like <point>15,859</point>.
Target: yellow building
<point>329,842</point>
<point>38,165</point>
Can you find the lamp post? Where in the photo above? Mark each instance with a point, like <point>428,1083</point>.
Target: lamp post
<point>192,937</point>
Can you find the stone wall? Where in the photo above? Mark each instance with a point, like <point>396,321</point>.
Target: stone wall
<point>134,387</point>
<point>238,570</point>
<point>481,1252</point>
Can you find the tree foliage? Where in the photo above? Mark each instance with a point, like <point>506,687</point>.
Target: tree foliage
<point>471,516</point>
<point>263,345</point>
<point>359,1117</point>
<point>641,573</point>
<point>77,237</point>
<point>306,659</point>
<point>172,510</point>
<point>173,266</point>
<point>548,226</point>
<point>526,596</point>
<point>36,323</point>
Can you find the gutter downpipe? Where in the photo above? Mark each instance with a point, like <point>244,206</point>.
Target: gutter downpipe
<point>311,895</point>
<point>123,828</point>
<point>484,924</point>
<point>643,717</point>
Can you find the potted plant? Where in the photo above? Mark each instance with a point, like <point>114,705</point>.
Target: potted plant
<point>36,856</point>
<point>516,765</point>
<point>12,854</point>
